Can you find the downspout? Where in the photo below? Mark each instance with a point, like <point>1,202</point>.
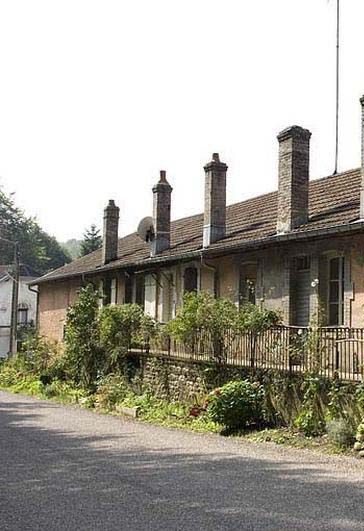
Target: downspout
<point>209,267</point>
<point>36,291</point>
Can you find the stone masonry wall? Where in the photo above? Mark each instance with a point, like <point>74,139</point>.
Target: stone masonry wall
<point>181,380</point>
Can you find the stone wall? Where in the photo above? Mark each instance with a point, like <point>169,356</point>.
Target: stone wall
<point>180,380</point>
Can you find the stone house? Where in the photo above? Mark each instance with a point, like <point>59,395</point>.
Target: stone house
<point>27,304</point>
<point>299,249</point>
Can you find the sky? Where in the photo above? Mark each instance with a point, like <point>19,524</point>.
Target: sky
<point>97,96</point>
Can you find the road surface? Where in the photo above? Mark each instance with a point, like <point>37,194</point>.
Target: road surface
<point>70,469</point>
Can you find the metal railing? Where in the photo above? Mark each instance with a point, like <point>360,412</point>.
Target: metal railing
<point>333,352</point>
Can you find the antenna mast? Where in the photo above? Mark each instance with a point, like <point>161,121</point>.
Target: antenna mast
<point>337,84</point>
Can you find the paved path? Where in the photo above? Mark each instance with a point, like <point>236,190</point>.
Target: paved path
<point>67,468</point>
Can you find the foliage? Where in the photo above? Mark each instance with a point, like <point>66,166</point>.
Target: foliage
<point>111,390</point>
<point>359,438</point>
<point>122,326</point>
<point>311,419</point>
<point>65,392</point>
<point>92,241</point>
<point>41,357</point>
<point>205,318</point>
<point>71,247</point>
<point>237,404</point>
<point>256,320</point>
<point>283,398</point>
<point>38,250</point>
<point>340,432</point>
<point>84,357</point>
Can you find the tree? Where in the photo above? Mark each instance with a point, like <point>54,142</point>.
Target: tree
<point>91,241</point>
<point>38,250</point>
<point>83,355</point>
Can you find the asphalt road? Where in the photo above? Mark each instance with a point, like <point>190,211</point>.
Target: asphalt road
<point>67,468</point>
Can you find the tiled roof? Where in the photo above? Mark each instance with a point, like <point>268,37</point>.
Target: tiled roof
<point>333,202</point>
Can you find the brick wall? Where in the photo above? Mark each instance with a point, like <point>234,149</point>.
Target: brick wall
<point>54,299</point>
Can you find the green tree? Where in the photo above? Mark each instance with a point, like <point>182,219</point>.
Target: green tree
<point>82,338</point>
<point>38,250</point>
<point>91,241</point>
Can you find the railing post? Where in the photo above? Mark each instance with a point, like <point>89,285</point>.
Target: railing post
<point>252,350</point>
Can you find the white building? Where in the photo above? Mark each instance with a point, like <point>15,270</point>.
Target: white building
<point>27,305</point>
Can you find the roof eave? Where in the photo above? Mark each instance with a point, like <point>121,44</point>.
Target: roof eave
<point>354,227</point>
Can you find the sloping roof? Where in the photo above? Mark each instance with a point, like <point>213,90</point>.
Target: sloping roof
<point>333,202</point>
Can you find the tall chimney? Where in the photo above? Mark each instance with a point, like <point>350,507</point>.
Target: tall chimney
<point>110,234</point>
<point>162,192</point>
<point>362,160</point>
<point>294,162</point>
<point>214,223</point>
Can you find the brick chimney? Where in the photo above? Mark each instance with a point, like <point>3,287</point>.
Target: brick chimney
<point>362,160</point>
<point>162,192</point>
<point>214,223</point>
<point>294,161</point>
<point>110,234</point>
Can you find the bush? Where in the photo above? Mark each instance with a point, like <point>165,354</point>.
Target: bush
<point>311,419</point>
<point>201,312</point>
<point>110,391</point>
<point>340,432</point>
<point>237,404</point>
<point>122,327</point>
<point>83,355</point>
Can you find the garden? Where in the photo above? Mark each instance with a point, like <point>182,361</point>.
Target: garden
<point>94,368</point>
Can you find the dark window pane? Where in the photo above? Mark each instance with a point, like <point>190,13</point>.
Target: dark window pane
<point>190,280</point>
<point>107,291</point>
<point>334,269</point>
<point>128,290</point>
<point>334,292</point>
<point>334,314</point>
<point>139,290</point>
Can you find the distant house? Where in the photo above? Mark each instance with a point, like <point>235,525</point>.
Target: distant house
<point>27,304</point>
<point>299,249</point>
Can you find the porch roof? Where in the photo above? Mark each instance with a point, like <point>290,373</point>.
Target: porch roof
<point>333,207</point>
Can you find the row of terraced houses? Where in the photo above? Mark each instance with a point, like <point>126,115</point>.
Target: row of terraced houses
<point>299,249</point>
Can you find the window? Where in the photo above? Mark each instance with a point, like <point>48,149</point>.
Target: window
<point>190,280</point>
<point>336,291</point>
<point>128,290</point>
<point>248,284</point>
<point>303,263</point>
<point>140,290</point>
<point>114,291</point>
<point>23,315</point>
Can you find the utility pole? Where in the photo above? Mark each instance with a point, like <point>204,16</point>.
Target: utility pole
<point>337,85</point>
<point>14,303</point>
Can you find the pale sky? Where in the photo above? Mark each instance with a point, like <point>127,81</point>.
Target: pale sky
<point>97,96</point>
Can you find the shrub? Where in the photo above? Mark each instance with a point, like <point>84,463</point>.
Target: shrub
<point>83,354</point>
<point>237,404</point>
<point>311,419</point>
<point>340,432</point>
<point>110,391</point>
<point>42,357</point>
<point>201,312</point>
<point>122,327</point>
